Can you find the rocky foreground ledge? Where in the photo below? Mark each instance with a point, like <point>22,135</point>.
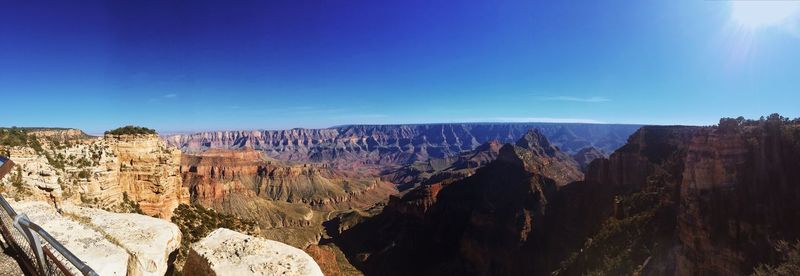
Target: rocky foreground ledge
<point>110,243</point>
<point>133,244</point>
<point>227,252</point>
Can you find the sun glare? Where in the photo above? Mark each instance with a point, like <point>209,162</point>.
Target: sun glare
<point>759,14</point>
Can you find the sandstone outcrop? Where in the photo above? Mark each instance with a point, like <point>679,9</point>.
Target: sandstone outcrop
<point>325,257</point>
<point>149,173</point>
<point>217,175</point>
<point>289,202</point>
<point>226,252</point>
<point>110,243</point>
<point>57,133</point>
<point>102,173</point>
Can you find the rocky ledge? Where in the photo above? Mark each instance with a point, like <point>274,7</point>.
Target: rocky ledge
<point>110,243</point>
<point>227,252</point>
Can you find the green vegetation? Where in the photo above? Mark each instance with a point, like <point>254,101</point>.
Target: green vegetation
<point>13,137</point>
<point>622,244</point>
<point>85,174</point>
<point>790,261</point>
<point>130,206</point>
<point>18,137</point>
<point>19,184</point>
<point>16,179</point>
<point>131,130</point>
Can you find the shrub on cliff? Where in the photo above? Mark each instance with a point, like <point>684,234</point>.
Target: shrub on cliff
<point>18,137</point>
<point>131,130</point>
<point>790,261</point>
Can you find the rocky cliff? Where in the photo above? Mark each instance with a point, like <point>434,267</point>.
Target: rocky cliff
<point>489,223</point>
<point>57,133</point>
<point>149,173</point>
<point>447,168</point>
<point>585,157</point>
<point>106,172</point>
<point>398,144</point>
<point>289,201</point>
<point>673,201</point>
<point>705,201</point>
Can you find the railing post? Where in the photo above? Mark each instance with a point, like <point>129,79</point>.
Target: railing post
<point>21,222</point>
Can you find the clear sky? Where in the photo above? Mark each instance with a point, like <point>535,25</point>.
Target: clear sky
<point>200,65</point>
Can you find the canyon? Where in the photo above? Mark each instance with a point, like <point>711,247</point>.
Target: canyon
<point>355,146</point>
<point>673,200</point>
<point>467,199</point>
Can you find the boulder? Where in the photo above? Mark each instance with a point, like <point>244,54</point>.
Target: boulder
<point>148,240</point>
<point>227,252</point>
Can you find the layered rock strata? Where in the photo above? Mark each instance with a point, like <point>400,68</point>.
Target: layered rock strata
<point>487,223</point>
<point>101,172</point>
<point>360,145</point>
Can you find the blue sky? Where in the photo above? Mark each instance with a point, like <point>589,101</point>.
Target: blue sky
<point>200,65</point>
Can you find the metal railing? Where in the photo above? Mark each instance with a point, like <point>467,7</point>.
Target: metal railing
<point>37,252</point>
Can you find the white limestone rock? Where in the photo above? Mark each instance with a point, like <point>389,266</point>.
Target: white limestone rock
<point>87,244</point>
<point>227,252</point>
<point>149,240</point>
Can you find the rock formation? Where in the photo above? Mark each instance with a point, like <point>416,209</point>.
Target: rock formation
<point>486,223</point>
<point>448,168</point>
<point>149,173</point>
<point>359,145</point>
<point>57,133</point>
<point>673,201</point>
<point>110,243</point>
<point>226,252</point>
<point>289,202</point>
<point>585,156</point>
<point>721,198</point>
<point>101,172</point>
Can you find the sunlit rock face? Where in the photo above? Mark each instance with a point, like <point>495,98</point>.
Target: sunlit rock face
<point>148,241</point>
<point>110,243</point>
<point>58,133</point>
<point>226,252</point>
<point>288,201</point>
<point>101,172</point>
<point>149,173</point>
<point>217,177</point>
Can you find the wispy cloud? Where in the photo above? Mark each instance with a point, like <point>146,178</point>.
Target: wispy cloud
<point>170,96</point>
<point>576,99</point>
<point>546,120</point>
<point>361,116</point>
